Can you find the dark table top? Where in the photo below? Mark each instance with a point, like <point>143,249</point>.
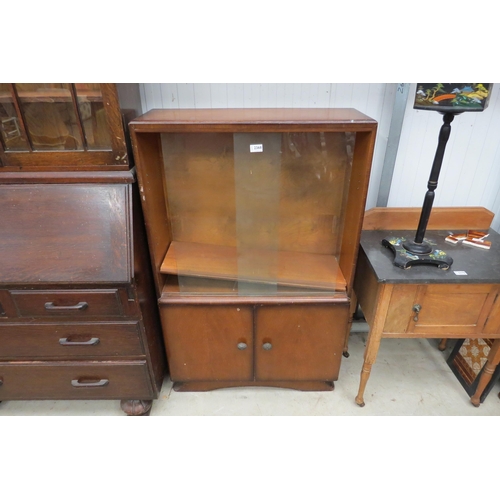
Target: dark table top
<point>480,266</point>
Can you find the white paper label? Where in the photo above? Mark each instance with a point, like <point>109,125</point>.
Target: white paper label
<point>256,148</point>
<point>460,273</point>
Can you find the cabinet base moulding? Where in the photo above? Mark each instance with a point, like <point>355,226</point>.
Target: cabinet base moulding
<point>204,386</point>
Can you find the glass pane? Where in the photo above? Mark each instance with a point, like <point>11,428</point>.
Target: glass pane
<point>256,213</point>
<point>10,127</point>
<point>92,115</point>
<point>257,175</point>
<point>49,115</point>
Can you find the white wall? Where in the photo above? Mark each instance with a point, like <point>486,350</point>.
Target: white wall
<point>470,174</point>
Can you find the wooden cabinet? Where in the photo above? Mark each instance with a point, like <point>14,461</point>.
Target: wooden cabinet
<point>78,312</point>
<point>253,220</point>
<point>423,301</point>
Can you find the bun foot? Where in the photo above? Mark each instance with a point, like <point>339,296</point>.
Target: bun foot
<point>136,407</point>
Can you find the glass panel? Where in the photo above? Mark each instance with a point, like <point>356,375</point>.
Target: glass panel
<point>49,115</point>
<point>257,168</point>
<point>256,213</point>
<point>92,115</point>
<point>10,128</point>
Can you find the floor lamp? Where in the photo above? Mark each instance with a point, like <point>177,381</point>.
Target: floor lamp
<point>449,99</point>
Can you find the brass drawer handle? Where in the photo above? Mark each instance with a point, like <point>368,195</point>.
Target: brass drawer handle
<point>267,346</point>
<point>68,341</point>
<point>242,346</point>
<point>78,307</point>
<point>416,309</point>
<point>99,383</point>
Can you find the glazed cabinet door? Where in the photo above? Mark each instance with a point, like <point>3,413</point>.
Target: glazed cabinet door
<point>299,342</point>
<point>208,342</point>
<point>67,126</point>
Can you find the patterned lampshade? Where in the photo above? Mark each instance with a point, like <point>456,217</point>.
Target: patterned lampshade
<point>452,97</point>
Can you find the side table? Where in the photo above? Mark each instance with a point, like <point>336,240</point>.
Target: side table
<point>424,301</point>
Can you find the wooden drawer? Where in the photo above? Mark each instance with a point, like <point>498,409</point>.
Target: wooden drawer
<point>97,380</point>
<point>75,303</point>
<point>69,340</point>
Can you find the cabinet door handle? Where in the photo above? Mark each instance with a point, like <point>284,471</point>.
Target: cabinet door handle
<point>267,346</point>
<point>242,346</point>
<point>416,309</point>
<point>97,383</point>
<point>68,341</point>
<point>1,381</point>
<point>78,307</point>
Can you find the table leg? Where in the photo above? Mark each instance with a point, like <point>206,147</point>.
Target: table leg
<point>370,356</point>
<point>374,337</point>
<point>489,369</point>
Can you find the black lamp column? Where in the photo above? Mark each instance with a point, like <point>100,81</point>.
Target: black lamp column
<point>449,99</point>
<point>418,245</point>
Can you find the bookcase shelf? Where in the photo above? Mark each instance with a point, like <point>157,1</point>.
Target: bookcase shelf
<point>292,269</point>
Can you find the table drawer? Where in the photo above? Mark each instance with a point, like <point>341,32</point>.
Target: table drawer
<point>75,303</point>
<point>69,340</point>
<point>97,380</point>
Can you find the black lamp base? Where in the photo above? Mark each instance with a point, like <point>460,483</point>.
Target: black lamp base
<point>405,259</point>
<point>412,246</point>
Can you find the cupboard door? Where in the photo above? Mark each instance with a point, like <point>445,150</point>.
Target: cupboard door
<point>448,310</point>
<point>208,342</point>
<point>299,342</point>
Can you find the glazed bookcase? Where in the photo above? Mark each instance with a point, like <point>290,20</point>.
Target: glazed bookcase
<point>253,219</point>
